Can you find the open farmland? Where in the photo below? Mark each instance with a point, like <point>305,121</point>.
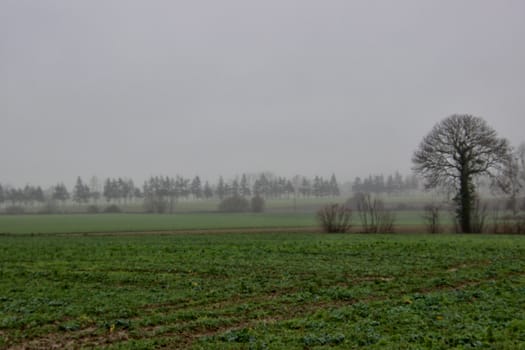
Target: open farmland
<point>84,223</point>
<point>104,223</point>
<point>262,291</point>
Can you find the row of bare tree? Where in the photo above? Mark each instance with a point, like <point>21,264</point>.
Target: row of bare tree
<point>374,217</point>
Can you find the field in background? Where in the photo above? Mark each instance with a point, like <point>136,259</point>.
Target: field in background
<point>92,223</point>
<point>203,215</point>
<point>414,201</point>
<point>262,291</point>
<point>89,223</point>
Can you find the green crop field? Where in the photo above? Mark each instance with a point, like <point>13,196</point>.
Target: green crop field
<point>81,223</point>
<point>262,291</point>
<point>90,223</point>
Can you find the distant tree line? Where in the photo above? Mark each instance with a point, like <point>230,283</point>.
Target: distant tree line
<point>391,184</point>
<point>160,193</point>
<point>26,196</point>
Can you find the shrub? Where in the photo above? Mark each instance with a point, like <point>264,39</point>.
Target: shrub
<point>431,218</point>
<point>335,218</point>
<point>50,207</point>
<point>112,209</point>
<point>92,209</point>
<point>234,204</point>
<point>403,206</point>
<point>519,224</point>
<point>507,223</point>
<point>14,210</point>
<point>257,204</point>
<point>478,216</point>
<point>155,205</point>
<point>375,218</point>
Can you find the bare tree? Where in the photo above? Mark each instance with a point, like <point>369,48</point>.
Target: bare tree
<point>431,217</point>
<point>457,150</point>
<point>512,179</point>
<point>496,218</point>
<point>478,216</point>
<point>374,216</point>
<point>95,189</point>
<point>335,218</point>
<point>81,192</point>
<point>512,182</point>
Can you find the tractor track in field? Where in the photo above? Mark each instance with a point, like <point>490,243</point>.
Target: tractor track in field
<point>188,333</point>
<point>305,229</point>
<point>202,231</point>
<point>402,229</point>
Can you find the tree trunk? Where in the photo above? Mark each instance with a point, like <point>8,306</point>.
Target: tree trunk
<point>465,193</point>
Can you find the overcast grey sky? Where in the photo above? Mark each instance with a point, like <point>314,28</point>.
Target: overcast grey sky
<point>139,88</point>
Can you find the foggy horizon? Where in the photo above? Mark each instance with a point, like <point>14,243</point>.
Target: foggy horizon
<point>136,88</point>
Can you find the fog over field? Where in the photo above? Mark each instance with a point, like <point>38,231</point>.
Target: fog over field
<point>139,88</point>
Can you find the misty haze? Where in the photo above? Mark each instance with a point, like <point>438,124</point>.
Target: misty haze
<point>134,88</point>
<point>289,174</point>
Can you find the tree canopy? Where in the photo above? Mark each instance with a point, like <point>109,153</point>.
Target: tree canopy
<point>456,151</point>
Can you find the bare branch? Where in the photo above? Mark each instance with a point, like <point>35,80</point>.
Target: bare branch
<point>458,149</point>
